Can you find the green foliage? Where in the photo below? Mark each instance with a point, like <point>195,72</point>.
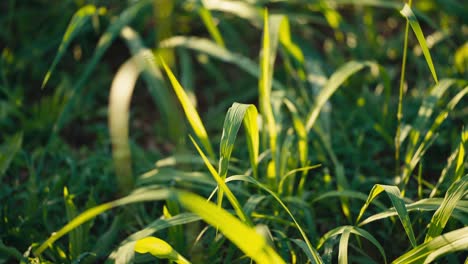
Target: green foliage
<point>95,169</point>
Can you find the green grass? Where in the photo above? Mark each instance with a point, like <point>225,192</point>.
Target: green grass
<point>260,131</point>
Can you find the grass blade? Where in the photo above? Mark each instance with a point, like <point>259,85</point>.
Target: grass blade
<point>394,194</point>
<point>76,25</point>
<point>343,246</point>
<point>456,240</point>
<point>9,150</point>
<point>409,15</point>
<point>243,236</point>
<point>190,112</point>
<point>337,79</point>
<point>160,249</point>
<point>207,18</point>
<point>119,103</point>
<point>455,193</point>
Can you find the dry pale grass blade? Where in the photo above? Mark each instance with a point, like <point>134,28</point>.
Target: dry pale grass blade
<point>453,241</point>
<point>119,103</point>
<point>409,15</point>
<point>455,193</point>
<point>394,194</point>
<point>190,112</point>
<point>79,20</point>
<point>243,236</point>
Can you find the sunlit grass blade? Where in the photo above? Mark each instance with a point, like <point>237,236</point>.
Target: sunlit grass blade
<point>222,185</point>
<point>190,112</point>
<point>239,8</point>
<point>140,195</point>
<point>394,194</point>
<point>301,133</point>
<point>125,251</point>
<point>311,251</point>
<point>409,15</point>
<point>455,193</point>
<point>243,236</point>
<point>237,114</point>
<point>337,79</point>
<point>267,60</point>
<point>77,23</point>
<point>77,236</point>
<point>9,150</point>
<point>119,103</point>
<point>342,230</point>
<point>431,204</point>
<point>160,249</point>
<point>286,41</point>
<point>210,48</point>
<point>453,241</point>
<point>207,18</point>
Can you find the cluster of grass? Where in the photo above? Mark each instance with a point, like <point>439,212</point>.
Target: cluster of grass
<point>266,131</point>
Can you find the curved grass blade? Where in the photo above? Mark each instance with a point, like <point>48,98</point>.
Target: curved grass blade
<point>243,236</point>
<point>409,15</point>
<point>190,112</point>
<point>119,103</point>
<point>237,114</point>
<point>431,204</point>
<point>310,249</point>
<point>453,241</point>
<point>222,185</point>
<point>210,48</point>
<point>160,249</point>
<point>239,8</point>
<point>341,75</point>
<point>394,194</point>
<point>76,25</point>
<point>347,194</point>
<point>343,246</point>
<point>455,193</point>
<point>354,230</point>
<point>125,252</point>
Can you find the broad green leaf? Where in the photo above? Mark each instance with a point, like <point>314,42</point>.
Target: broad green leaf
<point>160,249</point>
<point>409,15</point>
<point>453,241</point>
<point>455,193</point>
<point>243,236</point>
<point>119,104</point>
<point>210,48</point>
<point>76,25</point>
<point>8,151</point>
<point>311,251</point>
<point>222,185</point>
<point>190,112</point>
<point>337,79</point>
<point>344,245</point>
<point>431,204</point>
<point>394,194</point>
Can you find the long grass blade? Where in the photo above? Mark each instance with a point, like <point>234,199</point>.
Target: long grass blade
<point>453,241</point>
<point>394,194</point>
<point>243,236</point>
<point>9,150</point>
<point>160,249</point>
<point>409,15</point>
<point>77,23</point>
<point>207,18</point>
<point>455,193</point>
<point>190,112</point>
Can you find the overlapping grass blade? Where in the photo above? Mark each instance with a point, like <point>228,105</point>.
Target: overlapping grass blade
<point>409,15</point>
<point>455,193</point>
<point>77,23</point>
<point>190,112</point>
<point>340,75</point>
<point>342,230</point>
<point>243,236</point>
<point>222,185</point>
<point>267,60</point>
<point>431,204</point>
<point>239,8</point>
<point>210,48</point>
<point>311,251</point>
<point>125,251</point>
<point>394,194</point>
<point>160,249</point>
<point>453,241</point>
<point>9,150</point>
